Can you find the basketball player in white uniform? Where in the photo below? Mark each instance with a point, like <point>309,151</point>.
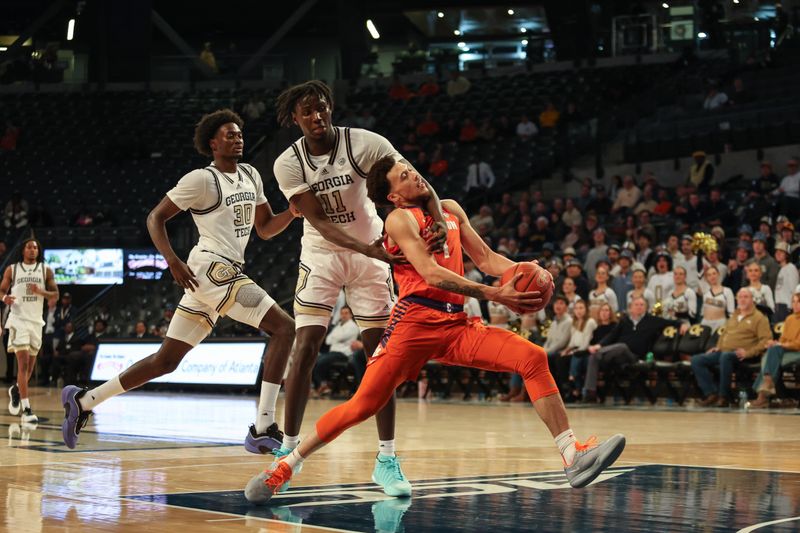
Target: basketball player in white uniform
<point>323,174</point>
<point>226,200</point>
<point>24,288</point>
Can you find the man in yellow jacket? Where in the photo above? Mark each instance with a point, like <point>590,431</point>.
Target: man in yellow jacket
<point>781,352</point>
<point>745,336</point>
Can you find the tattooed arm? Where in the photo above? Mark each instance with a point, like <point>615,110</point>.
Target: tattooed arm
<point>403,230</point>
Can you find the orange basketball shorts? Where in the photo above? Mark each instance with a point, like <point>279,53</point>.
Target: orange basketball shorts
<point>417,334</point>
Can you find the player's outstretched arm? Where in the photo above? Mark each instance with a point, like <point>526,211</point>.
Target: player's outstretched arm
<point>5,285</point>
<point>402,228</point>
<point>308,204</point>
<point>157,227</point>
<point>268,224</point>
<point>484,257</point>
<point>434,207</point>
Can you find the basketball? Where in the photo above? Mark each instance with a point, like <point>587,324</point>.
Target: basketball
<point>534,278</point>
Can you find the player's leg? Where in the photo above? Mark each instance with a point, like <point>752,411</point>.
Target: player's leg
<point>500,350</point>
<point>252,305</point>
<point>371,296</point>
<point>191,324</point>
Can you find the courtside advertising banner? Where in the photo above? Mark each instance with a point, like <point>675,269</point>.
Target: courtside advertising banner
<point>209,363</point>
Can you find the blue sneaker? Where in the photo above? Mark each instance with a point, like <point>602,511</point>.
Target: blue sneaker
<point>390,477</point>
<point>263,443</point>
<point>75,418</point>
<point>388,514</point>
<point>279,453</point>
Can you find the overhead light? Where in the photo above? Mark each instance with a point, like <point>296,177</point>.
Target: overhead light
<point>70,29</point>
<point>735,1</point>
<point>523,30</point>
<point>462,44</point>
<point>456,32</point>
<point>665,5</point>
<point>755,18</point>
<point>702,35</point>
<point>524,42</point>
<point>372,29</point>
<point>440,15</point>
<point>3,48</point>
<point>510,11</point>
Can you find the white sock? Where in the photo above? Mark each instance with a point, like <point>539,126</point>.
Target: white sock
<point>98,395</point>
<point>26,403</point>
<point>386,448</point>
<point>291,441</point>
<point>293,459</point>
<point>266,405</point>
<point>566,446</point>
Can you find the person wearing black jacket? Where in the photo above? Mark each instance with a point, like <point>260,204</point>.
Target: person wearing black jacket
<point>631,339</point>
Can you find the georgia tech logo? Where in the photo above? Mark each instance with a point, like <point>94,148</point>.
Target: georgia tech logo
<point>221,273</point>
<point>696,330</point>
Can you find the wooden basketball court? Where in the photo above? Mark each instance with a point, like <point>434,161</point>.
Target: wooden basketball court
<point>175,462</point>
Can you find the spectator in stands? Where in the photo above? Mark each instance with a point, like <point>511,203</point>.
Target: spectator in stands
<point>630,340</point>
<point>458,84</point>
<point>574,270</point>
<point>788,278</point>
<point>745,337</point>
<point>451,131</point>
<point>627,197</point>
<point>568,289</point>
<point>785,234</point>
<point>681,302</point>
<point>612,257</point>
<point>665,205</point>
<point>602,293</point>
<point>647,203</point>
<point>583,328</point>
<point>65,312</point>
<point>701,173</point>
<point>526,129</point>
<point>740,95</point>
<point>662,281</point>
<point>540,234</point>
<point>479,175</point>
<point>483,221</point>
<point>601,203</point>
<point>340,345</point>
<point>693,213</point>
<point>763,297</point>
<point>766,182</point>
<point>558,336</point>
<point>366,120</point>
<point>784,351</point>
<point>645,255</point>
<point>714,98</point>
<point>746,233</point>
<point>523,235</point>
<point>640,289</point>
<point>505,128</point>
<point>429,88</point>
<point>789,189</point>
<point>166,317</point>
<point>584,197</point>
<point>73,356</point>
<point>469,132</point>
<point>571,215</point>
<point>207,57</point>
<point>471,272</point>
<point>548,119</point>
<point>398,90</point>
<point>691,263</point>
<point>254,108</point>
<point>10,137</point>
<point>486,131</point>
<point>597,251</point>
<point>767,262</point>
<point>736,277</point>
<point>15,215</point>
<point>765,227</point>
<point>622,282</point>
<point>577,367</point>
<point>428,127</point>
<point>439,164</point>
<point>718,301</point>
<point>140,331</point>
<point>717,210</point>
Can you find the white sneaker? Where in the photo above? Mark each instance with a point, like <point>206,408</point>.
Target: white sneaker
<point>14,404</point>
<point>28,417</point>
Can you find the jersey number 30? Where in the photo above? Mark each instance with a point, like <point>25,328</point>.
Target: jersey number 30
<point>243,213</point>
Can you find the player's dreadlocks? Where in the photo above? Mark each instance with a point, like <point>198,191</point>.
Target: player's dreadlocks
<point>377,182</point>
<point>288,99</point>
<point>207,128</point>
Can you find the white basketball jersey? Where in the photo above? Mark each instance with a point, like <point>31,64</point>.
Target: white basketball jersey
<point>338,179</point>
<point>27,307</point>
<point>223,207</point>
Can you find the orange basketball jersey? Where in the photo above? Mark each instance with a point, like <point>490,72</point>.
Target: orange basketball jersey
<point>408,279</point>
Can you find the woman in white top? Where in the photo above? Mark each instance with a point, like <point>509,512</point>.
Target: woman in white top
<point>603,294</point>
<point>718,301</point>
<point>582,328</point>
<point>788,278</point>
<point>762,294</point>
<point>662,282</point>
<point>639,278</point>
<point>681,303</point>
<point>568,289</point>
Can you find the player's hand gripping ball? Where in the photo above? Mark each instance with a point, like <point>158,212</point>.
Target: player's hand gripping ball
<point>534,278</point>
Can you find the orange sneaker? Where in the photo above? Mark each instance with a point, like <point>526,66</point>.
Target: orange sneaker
<point>262,487</point>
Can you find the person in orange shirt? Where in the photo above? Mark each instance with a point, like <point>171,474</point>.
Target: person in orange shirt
<point>429,88</point>
<point>469,132</point>
<point>428,322</point>
<point>428,127</point>
<point>549,117</point>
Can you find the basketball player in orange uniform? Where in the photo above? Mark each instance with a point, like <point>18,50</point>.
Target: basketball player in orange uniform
<point>428,322</point>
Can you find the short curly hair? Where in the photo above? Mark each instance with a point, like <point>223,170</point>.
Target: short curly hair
<point>208,126</point>
<point>378,186</point>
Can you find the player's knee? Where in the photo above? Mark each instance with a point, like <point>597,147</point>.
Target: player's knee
<point>534,362</point>
<point>363,409</point>
<point>284,330</point>
<point>165,363</point>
